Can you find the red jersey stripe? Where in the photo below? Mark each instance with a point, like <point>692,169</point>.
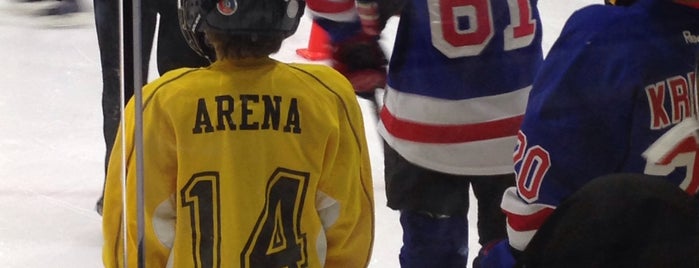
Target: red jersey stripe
<point>328,6</point>
<point>425,133</point>
<point>522,223</point>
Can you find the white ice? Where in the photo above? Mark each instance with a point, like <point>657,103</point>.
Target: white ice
<point>52,150</point>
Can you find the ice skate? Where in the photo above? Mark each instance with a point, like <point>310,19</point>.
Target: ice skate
<point>66,13</point>
<point>27,7</point>
<point>98,205</point>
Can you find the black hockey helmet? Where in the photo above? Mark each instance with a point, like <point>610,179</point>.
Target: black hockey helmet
<point>237,17</point>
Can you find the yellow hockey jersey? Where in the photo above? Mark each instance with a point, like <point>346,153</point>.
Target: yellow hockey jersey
<point>253,163</point>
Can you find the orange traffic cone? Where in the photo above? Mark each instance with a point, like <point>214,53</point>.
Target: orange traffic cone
<point>318,45</point>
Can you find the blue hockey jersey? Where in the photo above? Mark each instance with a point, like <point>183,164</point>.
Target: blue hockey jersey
<point>615,81</point>
<point>458,80</point>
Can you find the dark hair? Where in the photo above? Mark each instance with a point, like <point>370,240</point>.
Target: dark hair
<point>239,46</point>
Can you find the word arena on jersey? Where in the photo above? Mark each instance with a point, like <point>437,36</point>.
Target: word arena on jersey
<point>249,116</point>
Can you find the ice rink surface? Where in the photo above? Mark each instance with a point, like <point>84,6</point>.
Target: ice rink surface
<point>52,150</point>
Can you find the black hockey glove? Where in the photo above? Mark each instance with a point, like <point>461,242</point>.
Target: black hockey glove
<point>362,60</point>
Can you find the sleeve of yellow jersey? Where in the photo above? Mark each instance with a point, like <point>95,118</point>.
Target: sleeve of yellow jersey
<point>160,187</point>
<point>350,237</point>
<point>112,221</point>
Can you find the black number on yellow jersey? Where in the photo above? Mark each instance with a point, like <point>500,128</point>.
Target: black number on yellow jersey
<point>276,240</point>
<point>200,194</point>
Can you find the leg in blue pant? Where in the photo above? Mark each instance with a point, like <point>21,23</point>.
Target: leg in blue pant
<point>433,241</point>
<point>434,206</point>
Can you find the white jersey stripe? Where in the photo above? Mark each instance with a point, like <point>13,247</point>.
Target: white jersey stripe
<point>419,108</point>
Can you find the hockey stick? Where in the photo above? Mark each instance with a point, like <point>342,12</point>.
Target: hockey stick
<point>137,83</point>
<point>138,134</point>
<point>122,125</point>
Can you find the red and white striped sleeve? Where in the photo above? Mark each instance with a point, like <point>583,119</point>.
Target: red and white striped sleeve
<point>335,10</point>
<point>523,219</point>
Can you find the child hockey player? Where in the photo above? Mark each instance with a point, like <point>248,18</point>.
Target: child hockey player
<point>249,162</point>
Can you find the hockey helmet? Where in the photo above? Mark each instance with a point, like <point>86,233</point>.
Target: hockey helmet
<point>237,17</point>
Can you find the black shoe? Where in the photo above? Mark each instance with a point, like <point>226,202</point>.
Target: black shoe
<point>62,8</point>
<point>29,7</point>
<point>66,13</point>
<point>98,206</point>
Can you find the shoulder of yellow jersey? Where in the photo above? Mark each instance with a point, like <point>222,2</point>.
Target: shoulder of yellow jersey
<point>328,76</point>
<point>323,75</point>
<point>166,79</point>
